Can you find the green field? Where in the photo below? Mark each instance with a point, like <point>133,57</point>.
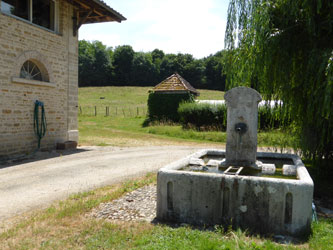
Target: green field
<point>124,101</point>
<point>121,111</point>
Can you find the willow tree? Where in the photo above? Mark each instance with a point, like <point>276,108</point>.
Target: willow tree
<point>284,48</point>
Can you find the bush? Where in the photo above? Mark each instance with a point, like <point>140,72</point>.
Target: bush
<point>163,107</point>
<point>203,116</point>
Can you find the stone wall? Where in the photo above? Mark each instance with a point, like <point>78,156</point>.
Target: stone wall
<point>58,53</point>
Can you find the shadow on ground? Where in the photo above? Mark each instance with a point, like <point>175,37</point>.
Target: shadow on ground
<point>37,156</point>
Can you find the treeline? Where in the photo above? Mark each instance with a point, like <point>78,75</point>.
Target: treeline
<point>100,65</point>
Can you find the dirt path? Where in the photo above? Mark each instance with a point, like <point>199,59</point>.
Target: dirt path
<point>29,185</point>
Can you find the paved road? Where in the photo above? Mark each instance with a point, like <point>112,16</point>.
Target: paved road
<point>36,184</point>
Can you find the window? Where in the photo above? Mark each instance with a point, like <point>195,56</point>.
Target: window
<point>33,68</point>
<point>31,71</point>
<point>16,8</point>
<point>39,12</point>
<point>43,13</point>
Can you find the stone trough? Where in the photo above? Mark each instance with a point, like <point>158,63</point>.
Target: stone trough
<point>267,193</point>
<point>260,204</point>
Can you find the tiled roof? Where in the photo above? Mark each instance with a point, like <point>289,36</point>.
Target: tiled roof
<point>175,83</point>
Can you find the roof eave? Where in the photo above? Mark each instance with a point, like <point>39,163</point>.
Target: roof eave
<point>119,17</point>
<point>95,11</point>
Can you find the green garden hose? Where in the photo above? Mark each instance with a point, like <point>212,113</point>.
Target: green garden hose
<point>39,121</point>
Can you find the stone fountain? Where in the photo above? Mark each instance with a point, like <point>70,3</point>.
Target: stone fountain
<point>268,193</point>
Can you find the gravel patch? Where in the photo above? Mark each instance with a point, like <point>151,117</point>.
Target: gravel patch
<point>139,205</point>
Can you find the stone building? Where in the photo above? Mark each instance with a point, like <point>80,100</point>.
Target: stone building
<point>39,61</point>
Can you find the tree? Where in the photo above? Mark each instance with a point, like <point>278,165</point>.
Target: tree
<point>123,62</point>
<point>284,49</point>
<point>102,65</point>
<point>157,55</point>
<point>215,77</point>
<point>94,64</point>
<point>144,71</point>
<point>167,67</point>
<point>193,72</point>
<point>86,61</point>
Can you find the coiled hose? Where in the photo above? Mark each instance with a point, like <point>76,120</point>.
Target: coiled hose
<point>39,121</point>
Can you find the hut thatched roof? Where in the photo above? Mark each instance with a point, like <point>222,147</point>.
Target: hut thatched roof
<point>175,83</point>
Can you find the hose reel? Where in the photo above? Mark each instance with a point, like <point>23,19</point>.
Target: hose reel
<point>39,121</point>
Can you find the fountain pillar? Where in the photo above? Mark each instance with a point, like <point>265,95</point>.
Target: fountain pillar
<point>242,124</point>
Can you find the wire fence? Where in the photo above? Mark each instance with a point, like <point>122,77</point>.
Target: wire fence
<point>112,111</point>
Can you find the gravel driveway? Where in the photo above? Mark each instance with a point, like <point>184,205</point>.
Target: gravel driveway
<point>29,185</point>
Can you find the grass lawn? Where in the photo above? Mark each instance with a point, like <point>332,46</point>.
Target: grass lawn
<point>67,225</point>
<point>127,112</point>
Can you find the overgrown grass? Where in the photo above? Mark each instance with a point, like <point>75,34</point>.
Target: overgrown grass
<point>67,225</point>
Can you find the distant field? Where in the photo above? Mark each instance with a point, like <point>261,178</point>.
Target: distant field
<point>122,126</point>
<point>131,101</point>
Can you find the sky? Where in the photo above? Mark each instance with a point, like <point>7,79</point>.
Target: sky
<point>175,26</point>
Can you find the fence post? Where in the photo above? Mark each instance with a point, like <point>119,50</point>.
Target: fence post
<point>95,111</point>
<point>124,112</point>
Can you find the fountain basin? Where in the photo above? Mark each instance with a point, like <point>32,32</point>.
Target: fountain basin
<point>256,203</point>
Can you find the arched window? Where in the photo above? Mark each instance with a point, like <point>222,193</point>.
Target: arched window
<point>31,71</point>
<point>32,68</point>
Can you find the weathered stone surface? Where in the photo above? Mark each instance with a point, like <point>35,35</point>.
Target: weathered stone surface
<point>268,168</point>
<point>289,169</point>
<point>196,161</point>
<point>259,204</point>
<point>212,162</point>
<point>242,123</point>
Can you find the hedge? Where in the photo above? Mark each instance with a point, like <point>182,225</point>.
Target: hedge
<point>204,116</point>
<point>163,107</point>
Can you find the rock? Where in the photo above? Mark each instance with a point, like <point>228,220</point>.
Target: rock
<point>289,169</point>
<point>268,168</point>
<point>213,163</point>
<point>197,161</point>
